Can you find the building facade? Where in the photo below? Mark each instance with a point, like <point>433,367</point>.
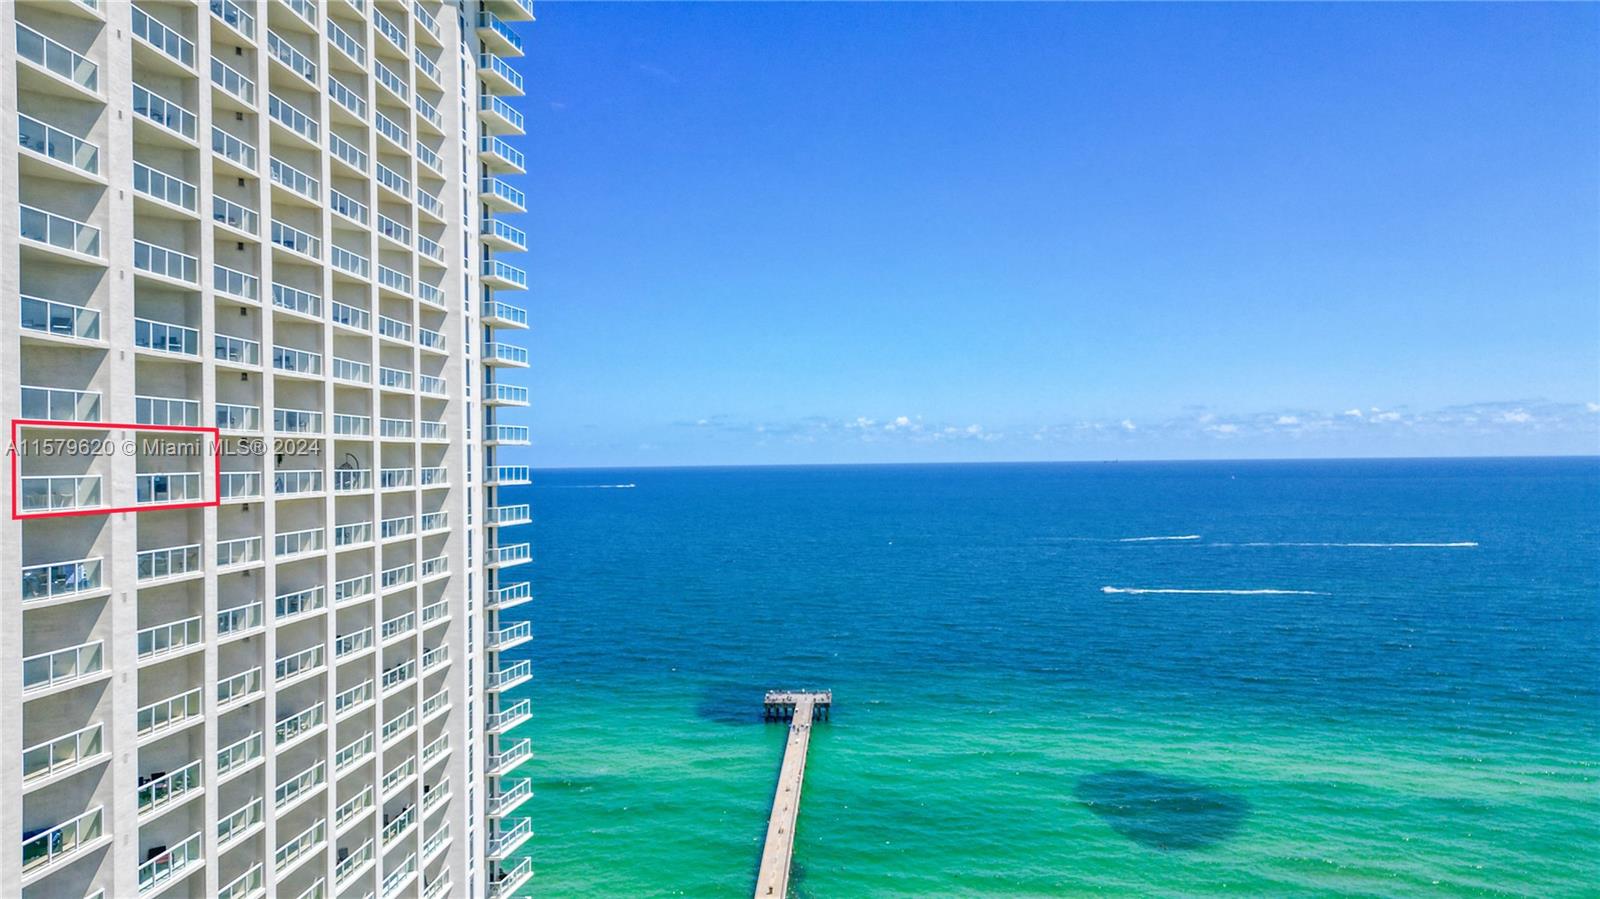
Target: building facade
<point>253,641</point>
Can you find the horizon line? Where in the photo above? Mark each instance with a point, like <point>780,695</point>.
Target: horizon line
<point>927,464</point>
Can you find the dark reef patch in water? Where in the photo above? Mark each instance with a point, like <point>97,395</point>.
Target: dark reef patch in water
<point>730,703</point>
<point>1161,812</point>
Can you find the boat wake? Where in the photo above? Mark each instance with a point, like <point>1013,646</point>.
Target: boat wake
<point>1460,544</point>
<point>590,486</point>
<point>1196,592</point>
<point>1158,539</point>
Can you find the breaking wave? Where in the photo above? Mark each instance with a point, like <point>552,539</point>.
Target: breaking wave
<point>1196,592</point>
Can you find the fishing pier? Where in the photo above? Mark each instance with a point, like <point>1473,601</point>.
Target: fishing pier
<point>800,708</point>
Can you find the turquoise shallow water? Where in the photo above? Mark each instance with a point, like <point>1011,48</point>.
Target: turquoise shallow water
<point>1413,720</point>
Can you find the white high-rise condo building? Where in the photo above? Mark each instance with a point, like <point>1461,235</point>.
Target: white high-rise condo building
<point>266,659</point>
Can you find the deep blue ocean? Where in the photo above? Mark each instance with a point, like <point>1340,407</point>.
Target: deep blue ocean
<point>1306,678</point>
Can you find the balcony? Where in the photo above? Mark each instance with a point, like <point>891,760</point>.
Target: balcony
<point>352,807</point>
<point>353,698</point>
<point>155,35</point>
<point>508,758</point>
<point>352,317</point>
<point>390,129</point>
<point>294,666</point>
<point>167,715</point>
<point>240,687</point>
<point>350,263</point>
<point>236,418</point>
<point>498,194</point>
<point>400,625</point>
<point>301,847</point>
<point>435,657</point>
<point>59,320</point>
<point>293,727</point>
<point>498,235</point>
<point>53,404</point>
<point>347,206</point>
<point>296,603</point>
<point>239,755</point>
<point>392,81</point>
<point>162,262</point>
<point>435,613</point>
<point>499,155</point>
<point>76,73</point>
<point>236,284</point>
<point>298,787</point>
<point>393,329</point>
<point>162,337</point>
<point>348,153</point>
<point>166,410</point>
<point>508,476</point>
<point>63,754</point>
<point>506,841</point>
<point>166,639</point>
<point>351,862</point>
<point>499,74</point>
<point>61,493</point>
<point>234,16</point>
<point>511,596</point>
<point>393,729</point>
<point>161,791</point>
<point>297,543</point>
<point>304,187</point>
<point>71,665</point>
<point>46,229</point>
<point>504,720</point>
<point>508,637</point>
<point>238,351</point>
<point>169,193</point>
<point>352,589</point>
<point>503,883</point>
<point>506,435</point>
<point>246,885</point>
<point>170,120</point>
<point>431,386</point>
<point>398,576</point>
<point>498,35</point>
<point>507,677</point>
<point>241,154</point>
<point>392,181</point>
<point>436,476</point>
<point>396,478</point>
<point>495,353</point>
<point>241,619</point>
<point>497,394</point>
<point>397,880</point>
<point>496,115</point>
<point>394,280</point>
<point>292,299</point>
<point>428,114</point>
<point>284,53</point>
<point>241,485</point>
<point>50,847</point>
<point>397,825</point>
<point>515,10</point>
<point>354,752</point>
<point>390,31</point>
<point>57,145</point>
<point>233,83</point>
<point>293,122</point>
<point>435,521</point>
<point>503,276</point>
<point>173,863</point>
<point>288,360</point>
<point>162,488</point>
<point>512,794</point>
<point>345,43</point>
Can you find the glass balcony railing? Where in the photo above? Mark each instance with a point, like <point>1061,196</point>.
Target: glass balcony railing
<point>297,361</point>
<point>237,755</point>
<point>352,534</point>
<point>169,864</point>
<point>60,493</point>
<point>354,588</point>
<point>241,484</point>
<point>390,31</point>
<point>393,230</point>
<point>169,561</point>
<point>301,602</point>
<point>163,112</point>
<point>167,263</point>
<point>431,385</point>
<point>347,206</point>
<point>59,231</point>
<point>249,883</point>
<point>296,300</point>
<point>294,543</point>
<point>284,113</point>
<point>63,753</point>
<point>48,140</point>
<point>391,129</point>
<point>491,186</point>
<point>295,181</point>
<point>231,81</point>
<point>427,67</point>
<point>164,188</point>
<point>351,370</point>
<point>235,283</point>
<point>509,354</point>
<point>427,112</point>
<point>163,410</point>
<point>49,669</point>
<point>493,23</point>
<point>495,106</point>
<point>165,338</point>
<point>491,145</point>
<point>393,180</point>
<point>303,662</point>
<point>164,790</point>
<point>55,57</point>
<point>56,404</point>
<point>430,204</point>
<point>346,425</point>
<point>348,152</point>
<point>353,806</point>
<point>57,580</point>
<point>235,688</point>
<point>353,263</point>
<point>238,551</point>
<point>234,215</point>
<point>297,480</point>
<point>297,724</point>
<point>163,487</point>
<point>507,433</point>
<point>298,62</point>
<point>502,69</point>
<point>61,319</point>
<point>391,80</point>
<point>232,148</point>
<point>390,327</point>
<point>237,350</point>
<point>395,428</point>
<point>240,618</point>
<point>347,44</point>
<point>350,316</point>
<point>169,713</point>
<point>290,851</point>
<point>60,842</point>
<point>427,157</point>
<point>341,94</point>
<point>169,42</point>
<point>499,230</point>
<point>500,271</point>
<point>393,478</point>
<point>235,17</point>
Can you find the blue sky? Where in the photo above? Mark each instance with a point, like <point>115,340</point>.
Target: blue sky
<point>794,233</point>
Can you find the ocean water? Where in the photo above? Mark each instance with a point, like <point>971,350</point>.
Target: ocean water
<point>1413,710</point>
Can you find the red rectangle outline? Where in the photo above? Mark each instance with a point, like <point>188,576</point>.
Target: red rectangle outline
<point>16,474</point>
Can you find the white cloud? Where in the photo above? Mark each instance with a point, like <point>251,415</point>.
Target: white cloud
<point>1223,429</point>
<point>1288,420</point>
<point>1128,425</point>
<point>1593,407</point>
<point>1353,413</point>
<point>1516,417</point>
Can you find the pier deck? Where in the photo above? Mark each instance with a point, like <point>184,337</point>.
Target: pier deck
<point>801,708</point>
